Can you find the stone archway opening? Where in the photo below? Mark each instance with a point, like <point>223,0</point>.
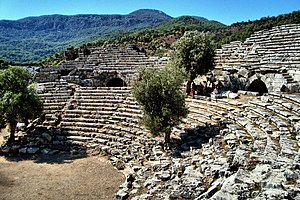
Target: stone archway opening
<point>258,86</point>
<point>116,82</point>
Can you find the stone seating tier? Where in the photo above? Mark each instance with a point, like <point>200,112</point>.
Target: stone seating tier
<point>95,109</point>
<point>265,53</point>
<point>267,38</point>
<point>237,138</point>
<point>268,143</point>
<point>102,60</point>
<point>224,148</point>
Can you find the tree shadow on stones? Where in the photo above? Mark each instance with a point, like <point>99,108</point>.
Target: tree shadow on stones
<point>193,138</point>
<point>60,158</point>
<point>43,146</point>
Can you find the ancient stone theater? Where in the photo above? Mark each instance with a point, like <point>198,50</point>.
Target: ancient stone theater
<point>242,148</point>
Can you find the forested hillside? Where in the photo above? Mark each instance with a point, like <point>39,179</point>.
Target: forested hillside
<point>242,30</point>
<point>192,23</point>
<point>33,38</point>
<point>159,39</point>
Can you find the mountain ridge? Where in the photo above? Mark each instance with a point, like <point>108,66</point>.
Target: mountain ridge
<point>33,38</point>
<point>86,20</point>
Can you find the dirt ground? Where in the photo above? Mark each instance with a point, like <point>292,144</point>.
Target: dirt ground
<point>58,177</point>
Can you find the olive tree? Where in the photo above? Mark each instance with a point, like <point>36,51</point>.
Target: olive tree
<point>18,101</point>
<point>159,93</point>
<point>194,52</point>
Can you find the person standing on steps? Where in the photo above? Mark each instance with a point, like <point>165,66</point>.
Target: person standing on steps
<point>204,87</point>
<point>212,80</point>
<point>193,88</point>
<point>200,89</point>
<point>188,88</point>
<point>219,86</point>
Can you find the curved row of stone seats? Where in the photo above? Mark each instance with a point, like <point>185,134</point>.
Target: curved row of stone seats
<point>291,105</point>
<point>219,111</point>
<point>106,119</point>
<point>280,146</point>
<point>55,96</point>
<point>290,101</point>
<point>211,160</point>
<point>231,112</point>
<point>237,158</point>
<point>279,111</point>
<point>239,142</point>
<point>273,44</point>
<point>201,113</point>
<point>268,51</point>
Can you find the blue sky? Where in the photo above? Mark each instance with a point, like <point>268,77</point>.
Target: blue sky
<point>225,11</point>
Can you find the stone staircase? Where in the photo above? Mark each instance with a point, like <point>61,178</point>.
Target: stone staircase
<point>55,96</point>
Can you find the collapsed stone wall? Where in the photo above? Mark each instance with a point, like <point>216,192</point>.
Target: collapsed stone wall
<point>271,56</point>
<point>100,65</point>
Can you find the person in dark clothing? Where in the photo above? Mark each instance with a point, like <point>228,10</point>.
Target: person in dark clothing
<point>204,87</point>
<point>219,85</point>
<point>200,89</point>
<point>188,88</point>
<point>193,89</point>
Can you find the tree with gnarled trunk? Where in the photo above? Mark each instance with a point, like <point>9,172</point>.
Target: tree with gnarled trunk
<point>18,101</point>
<point>159,93</point>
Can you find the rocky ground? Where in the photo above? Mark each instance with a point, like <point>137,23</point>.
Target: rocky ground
<point>58,176</point>
<point>246,148</point>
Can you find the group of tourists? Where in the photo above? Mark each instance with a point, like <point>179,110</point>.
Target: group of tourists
<point>205,88</point>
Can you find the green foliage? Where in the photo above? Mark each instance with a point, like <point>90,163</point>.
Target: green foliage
<point>195,53</point>
<point>18,101</point>
<point>53,60</point>
<point>4,64</point>
<point>223,34</point>
<point>188,23</point>
<point>159,92</point>
<point>156,40</point>
<point>14,79</point>
<point>33,38</point>
<point>242,30</point>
